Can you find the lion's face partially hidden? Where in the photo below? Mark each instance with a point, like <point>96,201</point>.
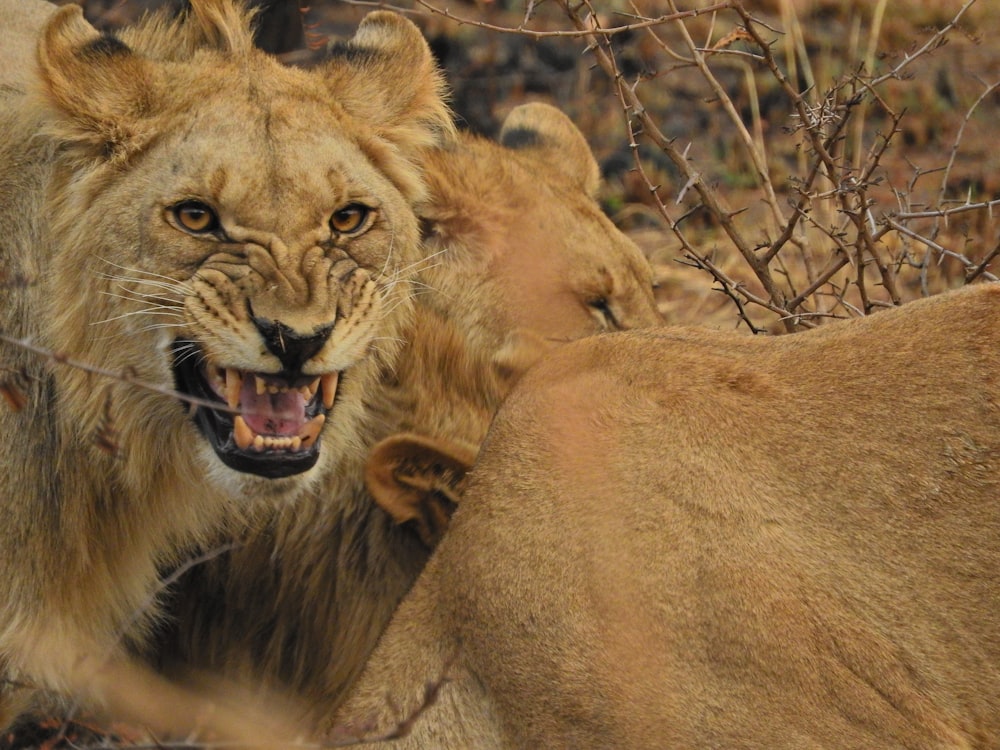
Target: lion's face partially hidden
<point>524,244</point>
<point>238,230</point>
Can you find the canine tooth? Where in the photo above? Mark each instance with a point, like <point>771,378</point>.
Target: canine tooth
<point>328,383</point>
<point>242,433</point>
<point>311,429</point>
<point>260,384</point>
<point>234,382</point>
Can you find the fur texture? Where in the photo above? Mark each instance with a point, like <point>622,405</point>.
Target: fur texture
<point>179,208</point>
<point>302,601</point>
<point>684,538</point>
<point>522,241</point>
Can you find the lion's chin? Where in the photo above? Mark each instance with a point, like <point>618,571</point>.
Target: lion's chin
<point>268,425</point>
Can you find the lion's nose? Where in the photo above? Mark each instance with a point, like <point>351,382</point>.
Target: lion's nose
<point>292,348</point>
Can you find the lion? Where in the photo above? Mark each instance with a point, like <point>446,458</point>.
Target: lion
<point>299,604</point>
<point>689,538</point>
<point>235,241</point>
<point>522,240</point>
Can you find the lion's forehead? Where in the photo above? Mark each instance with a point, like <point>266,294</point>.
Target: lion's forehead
<point>294,177</point>
<point>275,123</point>
<point>241,164</point>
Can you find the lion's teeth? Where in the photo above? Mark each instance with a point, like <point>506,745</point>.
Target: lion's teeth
<point>234,382</point>
<point>242,433</point>
<point>311,429</point>
<point>328,383</point>
<point>258,443</point>
<point>308,391</point>
<point>260,384</point>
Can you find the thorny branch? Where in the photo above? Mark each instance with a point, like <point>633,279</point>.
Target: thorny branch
<point>123,376</point>
<point>523,30</point>
<point>837,209</point>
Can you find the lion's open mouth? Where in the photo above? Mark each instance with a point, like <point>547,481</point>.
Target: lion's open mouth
<point>266,424</point>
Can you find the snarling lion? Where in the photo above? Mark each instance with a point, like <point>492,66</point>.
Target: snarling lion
<point>302,600</point>
<point>181,210</point>
<point>684,538</point>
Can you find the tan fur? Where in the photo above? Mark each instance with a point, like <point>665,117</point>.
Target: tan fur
<point>21,20</point>
<point>304,598</point>
<point>684,538</point>
<point>105,483</point>
<point>522,241</point>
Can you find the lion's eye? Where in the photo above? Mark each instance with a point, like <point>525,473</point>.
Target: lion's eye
<point>351,219</point>
<point>195,217</point>
<point>600,308</point>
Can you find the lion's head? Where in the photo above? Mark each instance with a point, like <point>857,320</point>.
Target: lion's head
<point>233,228</point>
<point>523,243</point>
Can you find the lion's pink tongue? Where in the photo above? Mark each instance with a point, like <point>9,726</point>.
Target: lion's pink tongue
<point>282,413</point>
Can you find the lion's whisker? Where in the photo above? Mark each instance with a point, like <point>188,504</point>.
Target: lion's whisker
<point>144,272</point>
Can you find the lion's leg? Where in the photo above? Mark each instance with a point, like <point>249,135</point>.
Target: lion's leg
<point>121,688</point>
<point>133,693</point>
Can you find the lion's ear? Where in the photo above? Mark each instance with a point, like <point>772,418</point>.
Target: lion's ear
<point>418,480</point>
<point>99,88</point>
<point>541,126</point>
<point>386,76</point>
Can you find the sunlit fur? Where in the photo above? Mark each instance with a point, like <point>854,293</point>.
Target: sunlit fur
<point>304,597</point>
<point>105,484</point>
<point>685,538</point>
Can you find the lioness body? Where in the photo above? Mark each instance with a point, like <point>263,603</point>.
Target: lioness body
<point>302,600</point>
<point>680,538</point>
<point>167,215</point>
